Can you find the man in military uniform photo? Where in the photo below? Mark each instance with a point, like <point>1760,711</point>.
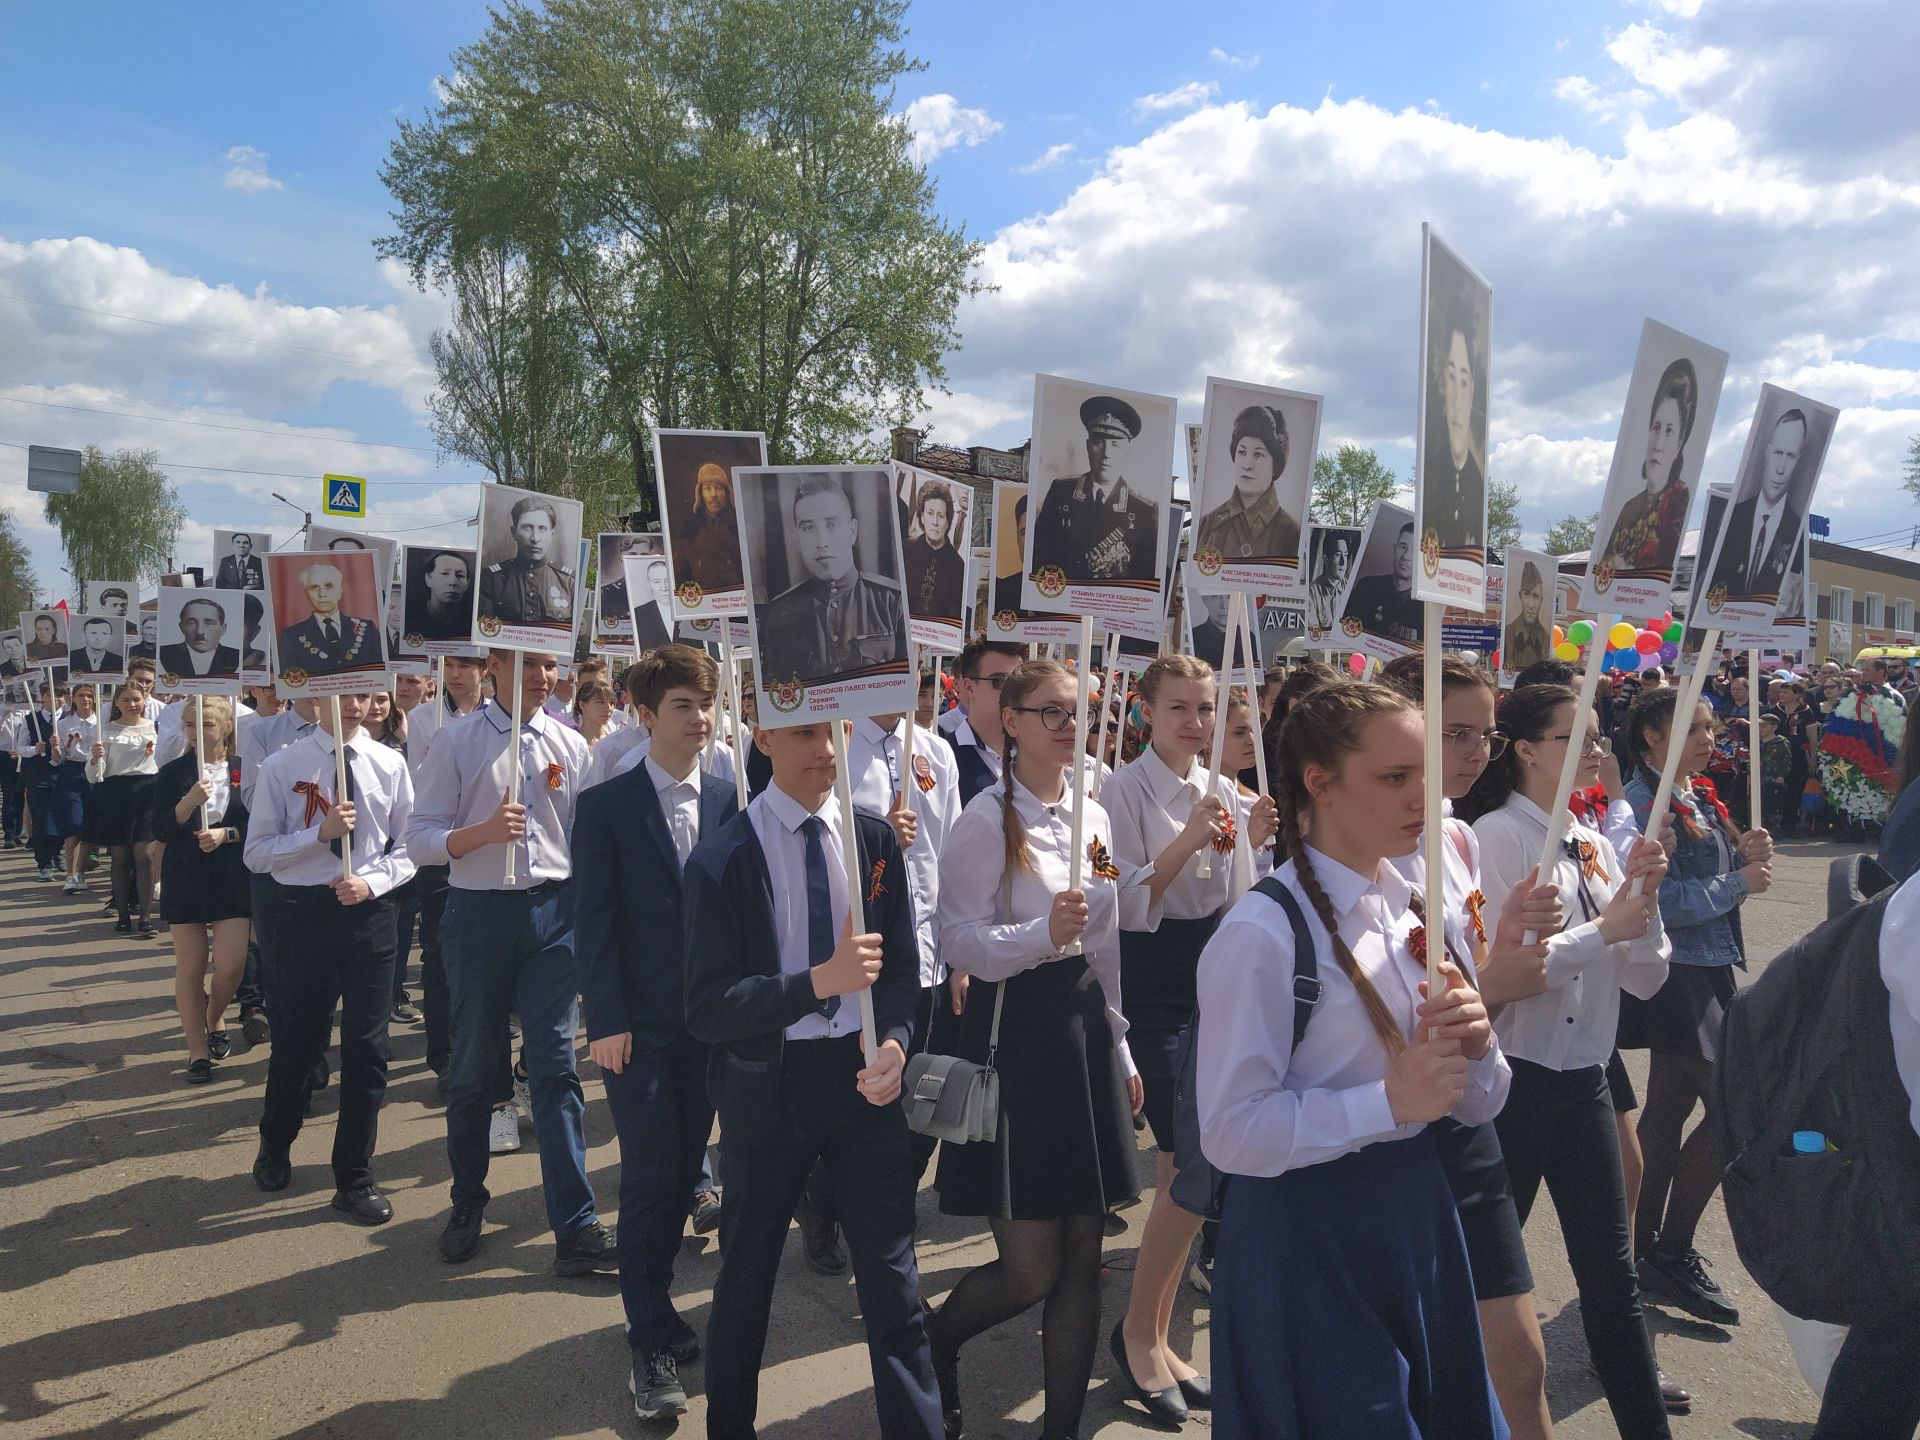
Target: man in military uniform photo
<point>327,641</point>
<point>1384,604</point>
<point>241,570</point>
<point>529,589</point>
<point>1091,525</point>
<point>839,619</point>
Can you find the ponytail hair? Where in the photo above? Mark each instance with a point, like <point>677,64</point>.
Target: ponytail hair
<point>1526,715</point>
<point>1323,727</point>
<point>1656,712</point>
<point>1301,680</point>
<point>1015,690</point>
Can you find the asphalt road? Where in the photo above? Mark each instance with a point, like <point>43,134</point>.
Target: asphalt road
<point>150,1289</point>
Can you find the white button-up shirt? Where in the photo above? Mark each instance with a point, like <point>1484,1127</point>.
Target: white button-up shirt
<point>776,818</point>
<point>34,727</point>
<point>424,723</point>
<point>129,751</point>
<point>1571,1024</point>
<point>283,843</point>
<point>465,780</point>
<point>1150,805</point>
<point>680,803</point>
<point>976,938</point>
<point>720,769</point>
<point>875,762</point>
<point>75,737</point>
<point>1266,1108</point>
<point>266,736</point>
<point>611,750</point>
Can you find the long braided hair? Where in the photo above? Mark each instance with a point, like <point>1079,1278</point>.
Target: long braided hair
<point>1655,712</point>
<point>1015,691</point>
<point>1324,727</point>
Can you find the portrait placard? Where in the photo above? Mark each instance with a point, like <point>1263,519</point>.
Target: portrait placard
<point>340,541</point>
<point>112,597</point>
<point>1010,619</point>
<point>403,657</point>
<point>1379,611</point>
<point>1330,551</point>
<point>1450,487</point>
<point>200,634</point>
<point>1664,430</point>
<point>240,559</point>
<point>700,515</point>
<point>1205,616</point>
<point>1527,612</point>
<point>614,597</point>
<point>646,577</point>
<point>1767,517</point>
<point>1712,521</point>
<point>330,634</point>
<point>936,518</point>
<point>825,582</point>
<point>1792,628</point>
<point>100,646</point>
<point>13,654</point>
<point>436,601</point>
<point>1100,475</point>
<point>46,632</point>
<point>1251,491</point>
<point>529,590</point>
<point>14,694</point>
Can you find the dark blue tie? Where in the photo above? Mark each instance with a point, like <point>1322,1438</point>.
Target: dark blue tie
<point>819,905</point>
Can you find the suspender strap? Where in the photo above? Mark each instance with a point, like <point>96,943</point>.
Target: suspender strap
<point>1307,986</point>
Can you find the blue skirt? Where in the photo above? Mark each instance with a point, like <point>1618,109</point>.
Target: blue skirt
<point>1343,1305</point>
<point>67,800</point>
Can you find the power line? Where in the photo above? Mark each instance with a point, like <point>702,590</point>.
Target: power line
<point>209,425</point>
<point>221,335</point>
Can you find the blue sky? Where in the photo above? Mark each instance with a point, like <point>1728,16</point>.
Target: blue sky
<point>1168,191</point>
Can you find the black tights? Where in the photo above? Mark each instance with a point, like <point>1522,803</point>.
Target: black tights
<point>132,881</point>
<point>1056,1261</point>
<point>1679,1179</point>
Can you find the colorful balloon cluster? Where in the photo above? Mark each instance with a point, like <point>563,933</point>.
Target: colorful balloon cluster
<point>1630,648</point>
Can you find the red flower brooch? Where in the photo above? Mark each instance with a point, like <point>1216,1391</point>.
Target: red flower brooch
<point>1101,861</point>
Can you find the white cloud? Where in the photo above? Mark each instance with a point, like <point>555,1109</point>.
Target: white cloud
<point>1181,97</point>
<point>940,123</point>
<point>247,170</point>
<point>1234,62</point>
<point>1047,158</point>
<point>1665,63</point>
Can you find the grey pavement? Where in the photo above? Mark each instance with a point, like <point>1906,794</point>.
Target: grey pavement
<point>148,1289</point>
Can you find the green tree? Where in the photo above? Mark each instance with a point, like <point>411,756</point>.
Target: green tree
<point>721,192</point>
<point>19,586</point>
<point>1571,533</point>
<point>122,522</point>
<point>1503,513</point>
<point>1347,485</point>
<point>1913,468</point>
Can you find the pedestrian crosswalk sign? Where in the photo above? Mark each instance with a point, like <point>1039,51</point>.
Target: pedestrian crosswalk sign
<point>344,495</point>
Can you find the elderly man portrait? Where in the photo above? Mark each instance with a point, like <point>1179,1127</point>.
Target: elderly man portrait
<point>203,625</point>
<point>1092,526</point>
<point>329,640</point>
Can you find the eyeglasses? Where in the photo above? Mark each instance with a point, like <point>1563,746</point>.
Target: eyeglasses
<point>1591,744</point>
<point>996,681</point>
<point>1055,717</point>
<point>1466,738</point>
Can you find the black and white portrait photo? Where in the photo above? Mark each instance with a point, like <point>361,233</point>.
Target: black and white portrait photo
<point>1664,430</point>
<point>1526,616</point>
<point>147,646</point>
<point>111,597</point>
<point>338,540</point>
<point>256,641</point>
<point>824,575</point>
<point>1451,496</point>
<point>327,608</point>
<point>1331,550</point>
<point>700,514</point>
<point>936,518</point>
<point>200,635</point>
<point>436,602</point>
<point>1380,613</point>
<point>13,655</point>
<point>46,632</point>
<point>1100,475</point>
<point>528,591</point>
<point>648,578</point>
<point>1772,495</point>
<point>239,559</point>
<point>100,647</point>
<point>1256,468</point>
<point>1206,619</point>
<point>613,600</point>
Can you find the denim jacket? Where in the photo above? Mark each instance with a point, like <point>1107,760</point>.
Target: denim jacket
<point>1700,898</point>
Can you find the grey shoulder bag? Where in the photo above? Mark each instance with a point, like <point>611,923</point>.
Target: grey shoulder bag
<point>953,1099</point>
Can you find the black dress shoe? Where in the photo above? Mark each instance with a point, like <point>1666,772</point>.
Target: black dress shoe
<point>219,1045</point>
<point>1197,1392</point>
<point>593,1249</point>
<point>253,1025</point>
<point>1682,1279</point>
<point>461,1239</point>
<point>820,1240</point>
<point>199,1072</point>
<point>1163,1407</point>
<point>364,1204</point>
<point>946,1374</point>
<point>1675,1396</point>
<point>270,1171</point>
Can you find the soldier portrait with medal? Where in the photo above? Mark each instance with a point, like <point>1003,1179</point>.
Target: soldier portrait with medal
<point>528,587</point>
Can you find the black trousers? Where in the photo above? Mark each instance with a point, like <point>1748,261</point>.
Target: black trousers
<point>663,1118</point>
<point>316,953</point>
<point>870,1161</point>
<point>9,797</point>
<point>1873,1392</point>
<point>36,789</point>
<point>406,907</point>
<point>1558,1126</point>
<point>430,889</point>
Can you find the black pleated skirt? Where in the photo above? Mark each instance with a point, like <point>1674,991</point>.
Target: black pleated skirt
<point>120,811</point>
<point>1684,1016</point>
<point>1066,1143</point>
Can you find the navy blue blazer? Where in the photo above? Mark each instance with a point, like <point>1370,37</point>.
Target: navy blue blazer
<point>737,998</point>
<point>627,925</point>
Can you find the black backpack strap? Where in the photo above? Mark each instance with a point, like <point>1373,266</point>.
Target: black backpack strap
<point>1307,985</point>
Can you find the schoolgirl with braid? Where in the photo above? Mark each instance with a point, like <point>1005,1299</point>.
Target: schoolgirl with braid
<point>1343,1299</point>
<point>1064,1151</point>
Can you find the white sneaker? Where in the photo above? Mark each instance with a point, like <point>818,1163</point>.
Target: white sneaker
<point>72,885</point>
<point>503,1132</point>
<point>523,1101</point>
